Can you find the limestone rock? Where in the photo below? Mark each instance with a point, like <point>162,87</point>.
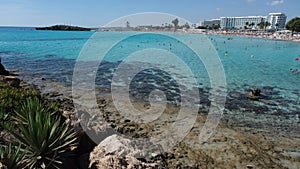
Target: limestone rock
<point>3,71</point>
<point>11,80</point>
<point>2,166</point>
<point>118,152</point>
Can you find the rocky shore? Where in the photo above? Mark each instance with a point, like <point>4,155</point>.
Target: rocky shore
<point>237,142</point>
<point>232,145</point>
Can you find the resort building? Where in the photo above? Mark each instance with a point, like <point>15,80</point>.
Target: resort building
<point>211,23</point>
<point>277,21</point>
<point>241,22</point>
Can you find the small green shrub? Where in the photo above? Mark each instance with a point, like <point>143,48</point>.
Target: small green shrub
<point>47,138</point>
<point>43,138</point>
<point>11,98</point>
<point>4,119</point>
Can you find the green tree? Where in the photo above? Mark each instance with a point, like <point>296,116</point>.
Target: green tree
<point>277,25</point>
<point>187,26</point>
<point>175,22</point>
<point>261,25</point>
<point>127,24</point>
<point>247,24</point>
<point>201,27</point>
<point>267,24</point>
<point>293,25</point>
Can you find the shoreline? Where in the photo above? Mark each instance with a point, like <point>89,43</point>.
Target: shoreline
<point>260,34</point>
<point>233,145</point>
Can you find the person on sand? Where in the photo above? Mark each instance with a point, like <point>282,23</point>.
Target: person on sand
<point>2,69</point>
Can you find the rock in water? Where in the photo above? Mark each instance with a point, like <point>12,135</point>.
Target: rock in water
<point>254,93</point>
<point>118,152</point>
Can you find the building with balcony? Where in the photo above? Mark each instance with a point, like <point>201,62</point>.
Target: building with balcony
<point>276,20</point>
<point>241,22</point>
<point>210,23</point>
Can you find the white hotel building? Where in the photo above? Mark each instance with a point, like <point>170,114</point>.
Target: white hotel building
<point>240,22</point>
<point>275,19</point>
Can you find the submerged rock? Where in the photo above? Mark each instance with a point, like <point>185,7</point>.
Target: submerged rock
<point>254,93</point>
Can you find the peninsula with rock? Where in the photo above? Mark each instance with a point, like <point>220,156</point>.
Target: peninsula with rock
<point>64,28</point>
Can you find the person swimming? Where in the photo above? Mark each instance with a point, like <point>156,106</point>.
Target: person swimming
<point>226,53</point>
<point>293,70</point>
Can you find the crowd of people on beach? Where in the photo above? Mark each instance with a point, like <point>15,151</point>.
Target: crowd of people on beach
<point>279,35</point>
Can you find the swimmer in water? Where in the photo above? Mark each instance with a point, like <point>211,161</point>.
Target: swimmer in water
<point>293,70</point>
<point>226,53</point>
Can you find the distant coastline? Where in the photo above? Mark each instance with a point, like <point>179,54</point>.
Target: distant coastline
<point>64,28</point>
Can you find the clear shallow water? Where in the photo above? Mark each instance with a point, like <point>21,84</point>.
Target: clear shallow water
<point>249,62</point>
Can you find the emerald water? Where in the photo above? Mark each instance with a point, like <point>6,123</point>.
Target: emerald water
<point>247,61</point>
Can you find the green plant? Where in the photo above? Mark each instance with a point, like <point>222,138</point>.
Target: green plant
<point>42,136</point>
<point>11,98</point>
<point>293,25</point>
<point>29,106</point>
<point>45,135</point>
<point>12,156</point>
<point>4,118</point>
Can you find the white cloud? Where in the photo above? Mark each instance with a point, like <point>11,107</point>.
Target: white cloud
<point>218,9</point>
<point>275,2</point>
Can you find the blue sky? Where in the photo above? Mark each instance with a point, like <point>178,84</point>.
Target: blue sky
<point>95,13</point>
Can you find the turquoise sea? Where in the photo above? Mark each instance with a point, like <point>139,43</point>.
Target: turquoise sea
<point>248,62</point>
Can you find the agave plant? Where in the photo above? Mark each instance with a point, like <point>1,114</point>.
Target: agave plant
<point>12,156</point>
<point>4,118</point>
<point>44,134</point>
<point>29,106</point>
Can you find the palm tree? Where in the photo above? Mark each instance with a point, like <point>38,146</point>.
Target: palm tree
<point>127,24</point>
<point>247,24</point>
<point>252,24</point>
<point>175,22</point>
<point>267,24</point>
<point>261,25</point>
<point>277,25</point>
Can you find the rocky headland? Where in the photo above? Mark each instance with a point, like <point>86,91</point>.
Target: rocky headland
<point>64,28</point>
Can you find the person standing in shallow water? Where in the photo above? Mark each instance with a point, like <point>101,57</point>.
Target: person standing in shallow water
<point>2,69</point>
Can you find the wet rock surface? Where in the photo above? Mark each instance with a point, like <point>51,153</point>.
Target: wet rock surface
<point>251,134</point>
